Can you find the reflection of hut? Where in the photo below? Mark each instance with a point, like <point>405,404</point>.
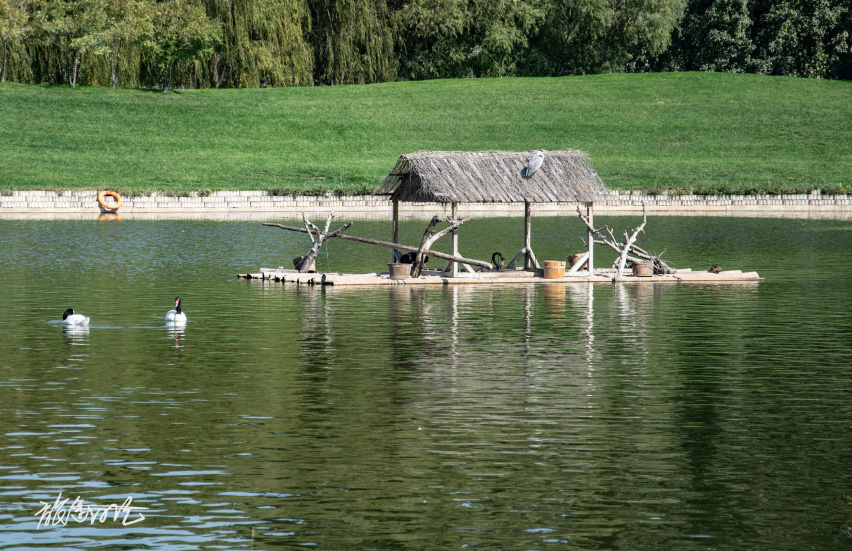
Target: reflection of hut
<point>493,177</point>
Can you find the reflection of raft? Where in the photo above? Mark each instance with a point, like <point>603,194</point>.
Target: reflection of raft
<point>435,277</point>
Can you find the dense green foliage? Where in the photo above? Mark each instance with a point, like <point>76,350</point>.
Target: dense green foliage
<point>260,43</point>
<point>778,37</point>
<point>705,132</point>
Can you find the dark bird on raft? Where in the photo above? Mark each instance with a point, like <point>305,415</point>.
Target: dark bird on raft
<point>534,164</point>
<point>715,269</point>
<point>408,258</point>
<point>494,258</point>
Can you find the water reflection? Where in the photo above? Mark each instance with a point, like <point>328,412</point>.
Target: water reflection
<point>76,334</point>
<point>581,416</point>
<point>583,300</point>
<point>176,331</point>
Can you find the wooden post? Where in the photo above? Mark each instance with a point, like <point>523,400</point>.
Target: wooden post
<point>455,214</point>
<point>590,212</point>
<point>394,253</point>
<point>527,234</point>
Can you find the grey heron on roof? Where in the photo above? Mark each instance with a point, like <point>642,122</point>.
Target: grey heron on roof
<point>534,164</point>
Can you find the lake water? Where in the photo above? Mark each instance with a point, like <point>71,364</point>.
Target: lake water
<point>649,417</point>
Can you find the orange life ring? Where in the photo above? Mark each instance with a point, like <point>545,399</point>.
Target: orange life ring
<point>107,206</point>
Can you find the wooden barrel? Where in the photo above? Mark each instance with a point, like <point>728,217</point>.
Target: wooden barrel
<point>399,271</point>
<point>554,269</point>
<point>643,269</point>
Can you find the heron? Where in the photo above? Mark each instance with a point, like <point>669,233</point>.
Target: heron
<point>534,164</point>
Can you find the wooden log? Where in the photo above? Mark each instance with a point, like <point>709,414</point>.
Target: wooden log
<point>580,261</point>
<point>389,245</point>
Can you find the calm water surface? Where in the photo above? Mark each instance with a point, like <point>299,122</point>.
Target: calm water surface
<point>658,417</point>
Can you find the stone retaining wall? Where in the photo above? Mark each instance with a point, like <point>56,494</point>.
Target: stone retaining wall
<point>260,204</point>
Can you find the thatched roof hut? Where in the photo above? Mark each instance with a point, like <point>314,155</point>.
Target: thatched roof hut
<point>492,177</point>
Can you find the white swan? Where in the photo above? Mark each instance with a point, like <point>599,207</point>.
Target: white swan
<point>70,318</point>
<point>176,316</point>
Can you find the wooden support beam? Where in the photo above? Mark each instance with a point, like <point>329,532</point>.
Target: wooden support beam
<point>395,256</point>
<point>454,213</point>
<point>579,263</point>
<point>590,213</point>
<point>527,234</point>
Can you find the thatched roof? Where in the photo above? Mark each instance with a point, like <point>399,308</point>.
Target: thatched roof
<point>493,177</point>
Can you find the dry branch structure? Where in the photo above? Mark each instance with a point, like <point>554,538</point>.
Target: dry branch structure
<point>453,177</point>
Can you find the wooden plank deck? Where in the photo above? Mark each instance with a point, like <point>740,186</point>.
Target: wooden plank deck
<point>434,277</point>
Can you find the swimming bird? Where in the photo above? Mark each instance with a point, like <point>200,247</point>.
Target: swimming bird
<point>176,316</point>
<point>70,318</point>
<point>494,258</point>
<point>534,164</point>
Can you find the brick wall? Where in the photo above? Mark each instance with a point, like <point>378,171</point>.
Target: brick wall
<point>242,204</point>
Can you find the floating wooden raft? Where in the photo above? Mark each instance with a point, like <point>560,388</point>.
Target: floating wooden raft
<point>434,277</point>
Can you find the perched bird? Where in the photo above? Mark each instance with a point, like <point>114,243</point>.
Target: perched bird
<point>715,269</point>
<point>176,316</point>
<point>494,258</point>
<point>70,318</point>
<point>408,258</point>
<point>534,164</point>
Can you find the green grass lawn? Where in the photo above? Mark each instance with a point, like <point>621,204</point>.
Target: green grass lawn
<point>702,132</point>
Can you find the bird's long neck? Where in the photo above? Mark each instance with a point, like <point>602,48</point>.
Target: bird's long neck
<point>177,307</point>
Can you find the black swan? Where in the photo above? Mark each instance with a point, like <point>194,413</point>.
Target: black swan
<point>176,316</point>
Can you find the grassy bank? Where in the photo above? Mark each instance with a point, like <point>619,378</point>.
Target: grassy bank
<point>699,132</point>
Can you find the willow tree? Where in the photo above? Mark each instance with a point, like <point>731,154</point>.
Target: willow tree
<point>125,25</point>
<point>353,41</point>
<point>14,25</point>
<point>467,38</point>
<point>71,27</point>
<point>594,36</point>
<point>264,43</point>
<point>179,31</point>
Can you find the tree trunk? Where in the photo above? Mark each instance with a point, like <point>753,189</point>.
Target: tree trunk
<point>217,78</point>
<point>431,238</point>
<point>73,68</point>
<point>3,69</point>
<point>167,78</point>
<point>308,260</point>
<point>114,59</point>
<point>417,265</point>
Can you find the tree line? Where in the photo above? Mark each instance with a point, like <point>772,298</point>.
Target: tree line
<point>257,43</point>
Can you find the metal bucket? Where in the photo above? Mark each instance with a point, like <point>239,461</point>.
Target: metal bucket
<point>643,269</point>
<point>399,271</point>
<point>554,269</point>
